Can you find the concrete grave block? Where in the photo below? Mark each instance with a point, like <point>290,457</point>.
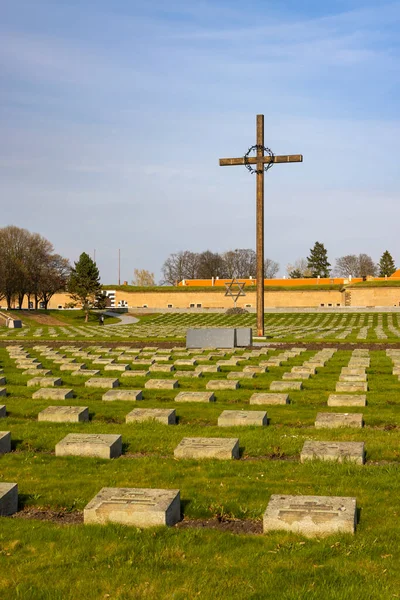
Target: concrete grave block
<point>129,374</point>
<point>3,392</point>
<point>167,416</point>
<point>37,372</point>
<point>64,414</point>
<point>304,369</point>
<point>347,400</point>
<point>53,394</point>
<point>222,384</point>
<point>85,373</point>
<point>5,442</point>
<point>2,380</point>
<point>353,371</point>
<point>131,395</point>
<point>211,338</point>
<point>208,369</point>
<point>254,369</point>
<point>3,412</point>
<point>189,362</point>
<point>44,382</point>
<point>140,507</point>
<point>295,376</point>
<point>244,337</point>
<point>332,420</point>
<point>353,378</point>
<point>117,367</point>
<point>98,445</point>
<point>195,397</point>
<point>73,367</point>
<point>282,386</point>
<point>161,368</point>
<point>161,384</point>
<point>242,417</point>
<point>8,499</point>
<point>310,515</point>
<point>265,398</point>
<point>240,375</point>
<point>201,447</point>
<point>102,382</point>
<point>336,451</point>
<point>191,374</point>
<point>351,386</point>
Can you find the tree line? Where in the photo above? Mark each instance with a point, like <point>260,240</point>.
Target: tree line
<point>239,263</point>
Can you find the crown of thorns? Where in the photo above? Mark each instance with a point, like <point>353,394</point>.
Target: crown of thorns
<point>267,151</point>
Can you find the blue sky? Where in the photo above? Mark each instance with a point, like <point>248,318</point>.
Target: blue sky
<point>114,115</point>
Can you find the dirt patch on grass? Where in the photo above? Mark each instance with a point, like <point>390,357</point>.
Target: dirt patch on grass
<point>241,526</point>
<point>40,319</point>
<point>61,517</point>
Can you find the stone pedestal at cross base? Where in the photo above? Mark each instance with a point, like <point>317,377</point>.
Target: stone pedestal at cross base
<point>334,451</point>
<point>220,448</point>
<point>311,515</point>
<point>98,445</point>
<point>8,499</point>
<point>140,507</point>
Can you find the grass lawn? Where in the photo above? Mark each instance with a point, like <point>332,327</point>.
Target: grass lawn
<point>218,550</point>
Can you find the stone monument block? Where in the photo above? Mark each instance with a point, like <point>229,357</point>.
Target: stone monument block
<point>140,507</point>
<point>222,337</point>
<point>310,515</point>
<point>351,386</point>
<point>117,367</point>
<point>102,382</point>
<point>98,445</point>
<point>242,417</point>
<point>240,375</point>
<point>85,373</point>
<point>352,378</point>
<point>3,392</point>
<point>332,420</point>
<point>36,372</point>
<point>191,374</point>
<point>131,395</point>
<point>64,414</point>
<point>337,451</point>
<point>3,412</point>
<point>295,376</point>
<point>161,384</point>
<point>73,366</point>
<point>44,382</point>
<point>8,499</point>
<point>53,394</point>
<point>353,371</point>
<point>265,398</point>
<point>157,367</point>
<point>167,416</point>
<point>208,369</point>
<point>244,337</point>
<point>222,384</point>
<point>282,386</point>
<point>347,400</point>
<point>130,374</point>
<point>5,442</point>
<point>201,447</point>
<point>195,397</point>
<point>254,369</point>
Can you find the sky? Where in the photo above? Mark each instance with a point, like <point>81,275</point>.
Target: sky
<point>113,117</point>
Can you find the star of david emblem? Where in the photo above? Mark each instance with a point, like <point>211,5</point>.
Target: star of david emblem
<point>235,289</point>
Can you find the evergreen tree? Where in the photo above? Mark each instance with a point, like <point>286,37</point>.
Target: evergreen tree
<point>386,265</point>
<point>318,261</point>
<point>84,283</point>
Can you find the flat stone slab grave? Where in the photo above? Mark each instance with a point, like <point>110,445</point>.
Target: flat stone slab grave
<point>102,382</point>
<point>311,515</point>
<point>98,445</point>
<point>167,416</point>
<point>161,384</point>
<point>347,400</point>
<point>264,398</point>
<point>5,442</point>
<point>64,414</point>
<point>242,417</point>
<point>351,386</point>
<point>240,375</point>
<point>44,382</point>
<point>336,451</point>
<point>53,394</point>
<point>129,395</point>
<point>201,447</point>
<point>8,499</point>
<point>332,420</point>
<point>281,386</point>
<point>140,507</point>
<point>222,384</point>
<point>85,373</point>
<point>195,397</point>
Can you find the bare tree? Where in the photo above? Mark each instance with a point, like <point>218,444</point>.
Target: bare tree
<point>181,265</point>
<point>270,268</point>
<point>239,263</point>
<point>54,278</point>
<point>352,265</point>
<point>298,269</point>
<point>143,278</point>
<point>211,264</point>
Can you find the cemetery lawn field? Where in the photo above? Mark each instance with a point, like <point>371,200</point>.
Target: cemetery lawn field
<point>35,318</point>
<point>218,550</point>
<point>335,327</point>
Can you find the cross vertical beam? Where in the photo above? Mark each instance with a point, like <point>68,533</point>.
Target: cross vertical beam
<point>260,227</point>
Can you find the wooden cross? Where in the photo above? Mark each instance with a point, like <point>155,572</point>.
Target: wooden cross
<point>260,161</point>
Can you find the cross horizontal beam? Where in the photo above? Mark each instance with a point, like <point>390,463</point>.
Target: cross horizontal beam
<point>254,160</point>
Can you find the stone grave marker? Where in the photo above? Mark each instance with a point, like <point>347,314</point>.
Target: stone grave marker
<point>3,412</point>
<point>5,442</point>
<point>161,384</point>
<point>265,398</point>
<point>8,499</point>
<point>129,374</point>
<point>53,394</point>
<point>336,451</point>
<point>73,366</point>
<point>44,382</point>
<point>332,420</point>
<point>117,367</point>
<point>304,369</point>
<point>102,382</point>
<point>140,507</point>
<point>167,416</point>
<point>310,515</point>
<point>2,380</point>
<point>240,375</point>
<point>254,369</point>
<point>64,414</point>
<point>242,417</point>
<point>90,444</point>
<point>201,447</point>
<point>131,395</point>
<point>161,368</point>
<point>295,376</point>
<point>351,386</point>
<point>222,384</point>
<point>347,400</point>
<point>282,386</point>
<point>85,373</point>
<point>353,371</point>
<point>3,392</point>
<point>191,374</point>
<point>352,378</point>
<point>208,369</point>
<point>36,372</point>
<point>195,397</point>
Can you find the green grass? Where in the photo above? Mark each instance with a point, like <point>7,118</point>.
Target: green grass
<point>43,560</point>
<point>388,283</point>
<point>218,288</point>
<point>70,317</point>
